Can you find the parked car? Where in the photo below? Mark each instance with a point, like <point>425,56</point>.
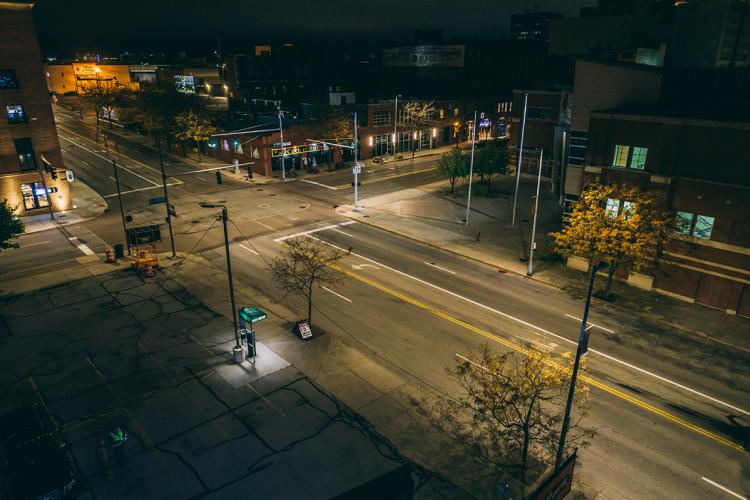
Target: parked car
<point>35,464</point>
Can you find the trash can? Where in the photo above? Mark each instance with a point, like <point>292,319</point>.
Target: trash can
<point>119,251</point>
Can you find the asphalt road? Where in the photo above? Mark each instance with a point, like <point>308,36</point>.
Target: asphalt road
<point>664,409</point>
<point>662,414</point>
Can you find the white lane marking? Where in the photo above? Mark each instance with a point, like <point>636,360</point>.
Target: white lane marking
<point>336,294</point>
<point>342,232</point>
<point>264,225</point>
<point>249,249</point>
<point>726,490</point>
<point>107,159</point>
<point>590,324</point>
<point>531,325</point>
<point>201,178</point>
<point>362,266</point>
<point>81,246</point>
<point>441,268</point>
<point>319,184</point>
<point>37,243</point>
<point>137,190</point>
<point>312,231</point>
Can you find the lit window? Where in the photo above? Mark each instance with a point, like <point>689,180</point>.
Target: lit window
<point>638,161</point>
<point>34,196</point>
<point>627,208</point>
<point>25,152</point>
<point>442,114</point>
<point>613,207</point>
<point>8,79</point>
<point>381,118</point>
<point>15,113</point>
<point>621,156</point>
<point>703,227</point>
<point>683,222</point>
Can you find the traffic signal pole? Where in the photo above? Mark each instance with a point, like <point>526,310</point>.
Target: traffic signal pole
<point>166,196</point>
<point>119,196</point>
<point>520,158</point>
<point>356,167</point>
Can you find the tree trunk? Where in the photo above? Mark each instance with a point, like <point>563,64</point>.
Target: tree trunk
<point>453,183</point>
<point>198,147</point>
<point>610,277</point>
<point>309,305</point>
<point>184,151</point>
<point>524,453</point>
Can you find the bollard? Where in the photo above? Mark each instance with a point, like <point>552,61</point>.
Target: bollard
<point>110,255</point>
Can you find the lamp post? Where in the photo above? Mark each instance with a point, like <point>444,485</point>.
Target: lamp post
<point>281,137</point>
<point>520,157</point>
<point>224,217</point>
<point>530,270</point>
<point>395,121</point>
<point>471,165</point>
<point>356,167</point>
<point>582,344</point>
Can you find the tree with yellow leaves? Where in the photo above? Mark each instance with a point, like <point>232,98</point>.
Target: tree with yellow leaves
<point>616,224</point>
<point>510,412</point>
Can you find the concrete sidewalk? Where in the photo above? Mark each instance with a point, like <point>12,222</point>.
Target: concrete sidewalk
<point>433,216</point>
<point>87,204</point>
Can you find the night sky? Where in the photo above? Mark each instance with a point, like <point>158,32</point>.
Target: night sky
<point>171,25</point>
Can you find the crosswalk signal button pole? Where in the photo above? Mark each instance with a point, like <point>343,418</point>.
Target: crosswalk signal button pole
<point>218,177</point>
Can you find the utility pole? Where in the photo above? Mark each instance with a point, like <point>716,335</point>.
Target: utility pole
<point>395,121</point>
<point>224,217</point>
<point>119,193</point>
<point>166,196</point>
<point>356,167</point>
<point>471,165</point>
<point>281,135</point>
<point>520,157</point>
<point>536,212</point>
<point>581,344</point>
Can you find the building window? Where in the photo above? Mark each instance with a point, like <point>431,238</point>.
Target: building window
<point>381,144</point>
<point>34,196</point>
<point>442,114</point>
<point>613,207</point>
<point>455,111</point>
<point>539,113</point>
<point>683,222</point>
<point>381,118</point>
<point>703,227</point>
<point>8,79</point>
<point>404,141</point>
<point>621,156</point>
<point>15,113</point>
<point>638,160</point>
<point>25,152</point>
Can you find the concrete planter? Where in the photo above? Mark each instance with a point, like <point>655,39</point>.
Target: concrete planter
<point>578,263</point>
<point>642,281</point>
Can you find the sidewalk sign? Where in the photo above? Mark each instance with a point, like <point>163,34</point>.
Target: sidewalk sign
<point>303,330</point>
<point>70,176</point>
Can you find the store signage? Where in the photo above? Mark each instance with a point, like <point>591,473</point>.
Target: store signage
<point>299,150</point>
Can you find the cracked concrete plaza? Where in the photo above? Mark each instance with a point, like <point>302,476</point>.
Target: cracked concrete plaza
<point>117,350</point>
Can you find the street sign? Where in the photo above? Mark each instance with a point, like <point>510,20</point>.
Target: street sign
<point>251,314</point>
<point>144,234</point>
<point>585,342</point>
<point>171,210</point>
<point>303,328</point>
<point>357,169</point>
<point>70,176</point>
<point>557,485</point>
<point>157,201</point>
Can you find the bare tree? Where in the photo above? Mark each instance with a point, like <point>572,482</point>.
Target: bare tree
<point>307,262</point>
<point>510,412</point>
<point>417,115</point>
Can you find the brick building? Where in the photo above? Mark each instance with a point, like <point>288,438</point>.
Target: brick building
<point>701,163</point>
<point>29,145</point>
<point>547,126</point>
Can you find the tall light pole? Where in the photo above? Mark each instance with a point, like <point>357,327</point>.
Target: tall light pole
<point>395,121</point>
<point>520,156</point>
<point>281,136</point>
<point>471,165</point>
<point>356,167</point>
<point>536,212</point>
<point>119,193</point>
<point>582,347</point>
<point>166,196</point>
<point>224,217</point>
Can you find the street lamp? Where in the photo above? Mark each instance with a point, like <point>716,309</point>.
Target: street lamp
<point>224,217</point>
<point>582,344</point>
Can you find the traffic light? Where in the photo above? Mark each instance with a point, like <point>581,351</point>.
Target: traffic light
<point>218,177</point>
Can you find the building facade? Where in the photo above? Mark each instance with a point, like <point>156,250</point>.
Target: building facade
<point>701,167</point>
<point>32,175</point>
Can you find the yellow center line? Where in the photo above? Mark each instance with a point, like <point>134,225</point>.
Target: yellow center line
<point>178,181</point>
<point>611,390</point>
<point>388,177</point>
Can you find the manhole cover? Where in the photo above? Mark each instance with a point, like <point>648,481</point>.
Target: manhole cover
<point>264,205</point>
